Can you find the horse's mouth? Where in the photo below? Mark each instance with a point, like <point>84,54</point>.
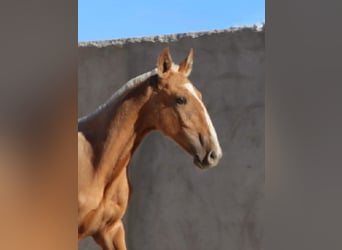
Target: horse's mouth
<point>198,162</point>
<point>201,164</point>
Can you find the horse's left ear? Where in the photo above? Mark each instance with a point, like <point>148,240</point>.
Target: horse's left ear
<point>164,63</point>
<point>185,66</point>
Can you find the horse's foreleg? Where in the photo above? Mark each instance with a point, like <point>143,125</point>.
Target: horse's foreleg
<point>112,237</point>
<point>119,238</point>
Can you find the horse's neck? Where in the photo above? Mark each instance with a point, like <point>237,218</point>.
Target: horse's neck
<point>130,120</point>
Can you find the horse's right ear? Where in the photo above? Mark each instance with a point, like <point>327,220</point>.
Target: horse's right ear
<point>164,63</point>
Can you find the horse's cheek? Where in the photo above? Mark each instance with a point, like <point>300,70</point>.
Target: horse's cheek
<point>168,122</point>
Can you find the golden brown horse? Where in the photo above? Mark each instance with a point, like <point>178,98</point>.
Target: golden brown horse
<point>163,99</point>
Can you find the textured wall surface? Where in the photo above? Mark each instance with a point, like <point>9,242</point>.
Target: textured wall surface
<point>174,205</point>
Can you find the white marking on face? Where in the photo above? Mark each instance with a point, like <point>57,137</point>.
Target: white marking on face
<point>212,130</point>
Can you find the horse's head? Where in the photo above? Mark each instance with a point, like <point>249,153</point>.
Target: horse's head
<point>181,113</point>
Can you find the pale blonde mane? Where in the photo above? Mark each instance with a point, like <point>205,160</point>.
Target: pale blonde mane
<point>122,92</point>
<point>131,84</point>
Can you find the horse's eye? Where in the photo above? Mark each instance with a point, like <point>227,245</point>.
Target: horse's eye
<point>181,100</point>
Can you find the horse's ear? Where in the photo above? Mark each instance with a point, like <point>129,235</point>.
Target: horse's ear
<point>164,62</point>
<point>185,66</point>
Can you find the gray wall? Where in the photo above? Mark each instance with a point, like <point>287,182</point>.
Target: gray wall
<point>174,205</point>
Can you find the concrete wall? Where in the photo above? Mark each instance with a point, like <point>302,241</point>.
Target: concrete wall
<point>175,205</point>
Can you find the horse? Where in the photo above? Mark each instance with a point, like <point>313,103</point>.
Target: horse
<point>162,99</point>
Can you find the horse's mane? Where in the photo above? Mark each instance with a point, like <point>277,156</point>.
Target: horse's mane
<point>122,92</point>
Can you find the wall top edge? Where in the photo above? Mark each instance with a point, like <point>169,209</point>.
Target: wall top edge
<point>171,37</point>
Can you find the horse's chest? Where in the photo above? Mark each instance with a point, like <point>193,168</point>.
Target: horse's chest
<point>111,208</point>
<point>116,201</point>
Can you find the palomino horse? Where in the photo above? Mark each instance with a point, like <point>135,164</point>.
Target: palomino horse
<point>162,99</point>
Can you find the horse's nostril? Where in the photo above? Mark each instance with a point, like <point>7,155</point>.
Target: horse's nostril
<point>212,155</point>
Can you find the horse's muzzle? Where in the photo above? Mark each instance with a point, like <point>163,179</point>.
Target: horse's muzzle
<point>211,159</point>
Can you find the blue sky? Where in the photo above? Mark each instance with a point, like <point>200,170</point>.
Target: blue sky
<point>112,19</point>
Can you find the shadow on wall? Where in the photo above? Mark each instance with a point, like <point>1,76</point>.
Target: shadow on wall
<point>175,205</point>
